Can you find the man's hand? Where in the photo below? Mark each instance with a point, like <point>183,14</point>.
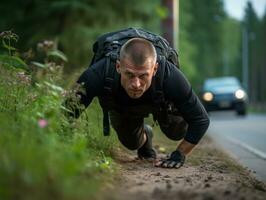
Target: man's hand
<point>176,160</point>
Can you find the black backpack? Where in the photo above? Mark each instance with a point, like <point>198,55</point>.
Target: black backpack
<point>109,45</point>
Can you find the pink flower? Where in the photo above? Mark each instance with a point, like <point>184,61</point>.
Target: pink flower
<point>42,123</point>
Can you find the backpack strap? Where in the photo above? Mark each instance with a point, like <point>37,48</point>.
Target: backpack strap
<point>109,91</point>
<point>108,82</point>
<point>158,94</point>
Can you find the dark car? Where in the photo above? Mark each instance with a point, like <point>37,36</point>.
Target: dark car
<point>224,93</point>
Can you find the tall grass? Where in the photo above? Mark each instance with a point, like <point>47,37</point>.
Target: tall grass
<point>42,154</point>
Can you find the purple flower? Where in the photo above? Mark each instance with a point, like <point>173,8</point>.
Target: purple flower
<point>42,123</point>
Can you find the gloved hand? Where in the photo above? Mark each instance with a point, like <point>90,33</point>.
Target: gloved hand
<point>175,160</point>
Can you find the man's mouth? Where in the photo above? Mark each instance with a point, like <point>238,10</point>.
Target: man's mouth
<point>136,91</point>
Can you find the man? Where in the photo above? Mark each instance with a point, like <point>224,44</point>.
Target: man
<point>182,118</point>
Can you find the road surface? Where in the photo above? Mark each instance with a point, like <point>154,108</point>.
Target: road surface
<point>242,137</point>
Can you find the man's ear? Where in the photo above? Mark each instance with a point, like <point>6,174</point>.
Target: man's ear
<point>155,68</point>
<point>117,66</point>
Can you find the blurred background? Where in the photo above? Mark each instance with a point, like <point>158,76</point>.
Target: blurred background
<point>213,37</point>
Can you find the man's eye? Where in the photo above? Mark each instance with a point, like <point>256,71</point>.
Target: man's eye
<point>143,76</point>
<point>129,75</point>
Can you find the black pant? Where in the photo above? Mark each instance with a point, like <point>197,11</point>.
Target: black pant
<point>130,128</point>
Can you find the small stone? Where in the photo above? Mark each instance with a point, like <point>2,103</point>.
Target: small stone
<point>162,150</point>
<point>140,183</point>
<point>168,186</point>
<point>157,174</point>
<point>166,176</point>
<point>155,192</point>
<point>188,180</point>
<point>227,192</point>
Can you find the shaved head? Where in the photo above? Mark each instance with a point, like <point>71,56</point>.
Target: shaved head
<point>138,51</point>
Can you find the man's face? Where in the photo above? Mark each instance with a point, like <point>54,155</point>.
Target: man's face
<point>136,79</point>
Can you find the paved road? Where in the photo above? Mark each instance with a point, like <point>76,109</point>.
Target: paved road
<point>243,137</point>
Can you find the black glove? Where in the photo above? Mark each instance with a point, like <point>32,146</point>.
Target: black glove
<point>175,160</point>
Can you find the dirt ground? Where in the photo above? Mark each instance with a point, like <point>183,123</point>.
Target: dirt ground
<point>207,174</point>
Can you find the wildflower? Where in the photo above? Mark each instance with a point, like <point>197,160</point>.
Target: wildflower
<point>64,93</point>
<point>42,123</point>
<point>45,46</point>
<point>23,78</point>
<point>9,35</point>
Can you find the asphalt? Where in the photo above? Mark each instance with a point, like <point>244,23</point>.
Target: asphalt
<point>244,138</point>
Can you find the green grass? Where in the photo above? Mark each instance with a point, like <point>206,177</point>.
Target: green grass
<point>257,108</point>
<point>59,161</point>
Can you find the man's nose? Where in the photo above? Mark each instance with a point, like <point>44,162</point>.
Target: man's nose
<point>135,82</point>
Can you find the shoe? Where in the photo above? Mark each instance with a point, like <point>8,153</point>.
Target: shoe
<point>146,152</point>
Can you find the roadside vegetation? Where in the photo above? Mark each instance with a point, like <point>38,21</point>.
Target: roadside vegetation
<point>259,108</point>
<point>42,154</point>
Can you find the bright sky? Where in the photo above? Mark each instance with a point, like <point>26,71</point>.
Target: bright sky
<point>235,8</point>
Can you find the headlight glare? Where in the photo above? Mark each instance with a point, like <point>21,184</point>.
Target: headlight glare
<point>207,96</point>
<point>240,94</point>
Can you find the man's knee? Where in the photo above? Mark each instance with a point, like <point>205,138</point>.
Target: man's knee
<point>131,145</point>
<point>129,130</point>
<point>174,133</point>
<point>132,141</point>
<point>175,129</point>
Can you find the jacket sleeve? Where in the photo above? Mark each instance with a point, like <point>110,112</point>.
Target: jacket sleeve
<point>88,85</point>
<point>179,91</point>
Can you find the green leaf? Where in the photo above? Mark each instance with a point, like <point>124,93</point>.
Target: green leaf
<point>19,61</point>
<point>54,87</point>
<point>8,47</point>
<point>65,109</point>
<point>58,54</point>
<point>40,65</point>
<point>13,61</point>
<point>162,12</point>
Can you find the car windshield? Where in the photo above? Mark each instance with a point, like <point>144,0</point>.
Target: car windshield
<point>221,82</point>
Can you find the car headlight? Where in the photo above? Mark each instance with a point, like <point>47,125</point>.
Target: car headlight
<point>240,94</point>
<point>207,96</point>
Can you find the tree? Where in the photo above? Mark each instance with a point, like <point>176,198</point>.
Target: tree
<point>205,33</point>
<point>262,59</point>
<point>186,48</point>
<point>232,45</point>
<point>251,24</point>
<point>75,24</point>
